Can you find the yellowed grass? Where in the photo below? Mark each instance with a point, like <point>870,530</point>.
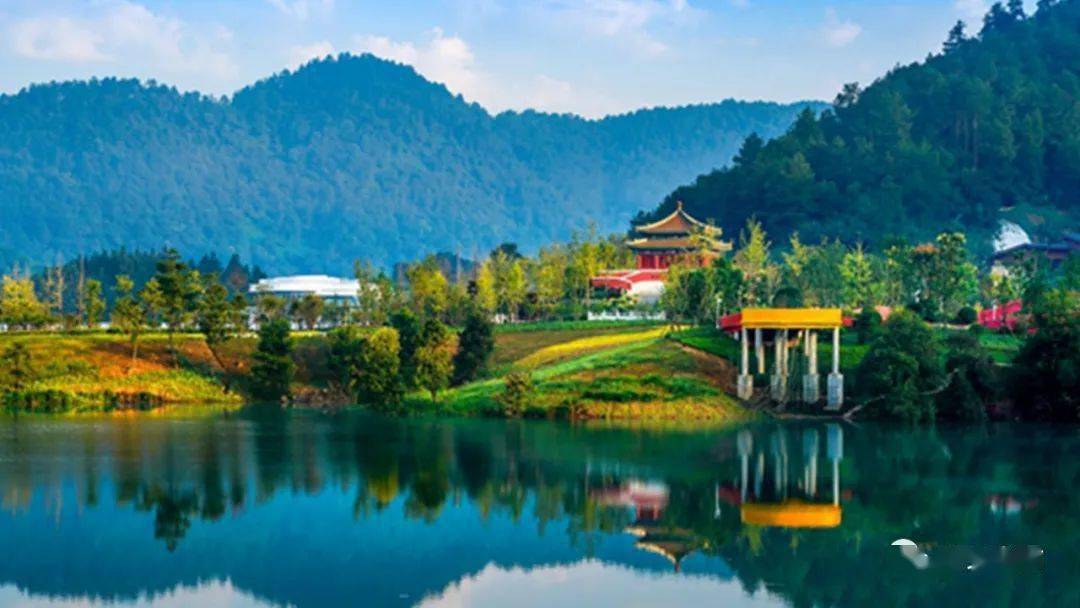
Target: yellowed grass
<point>583,346</point>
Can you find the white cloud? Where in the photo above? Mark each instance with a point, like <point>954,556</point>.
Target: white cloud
<point>56,39</point>
<point>450,60</point>
<point>302,10</point>
<point>441,58</point>
<point>630,21</point>
<point>129,35</point>
<point>838,32</point>
<point>972,11</point>
<point>303,53</point>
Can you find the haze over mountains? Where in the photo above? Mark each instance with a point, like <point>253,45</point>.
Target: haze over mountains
<point>345,158</point>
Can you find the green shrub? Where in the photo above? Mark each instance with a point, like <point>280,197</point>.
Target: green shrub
<point>272,372</point>
<point>517,394</point>
<point>966,316</point>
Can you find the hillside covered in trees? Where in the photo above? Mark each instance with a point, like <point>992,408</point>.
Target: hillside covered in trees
<point>988,129</point>
<point>346,157</point>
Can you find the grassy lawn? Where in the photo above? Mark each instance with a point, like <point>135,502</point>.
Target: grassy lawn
<point>95,371</point>
<point>515,342</point>
<point>1002,347</point>
<point>636,375</point>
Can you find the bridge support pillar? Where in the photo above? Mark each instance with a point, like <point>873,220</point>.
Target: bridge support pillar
<point>836,379</point>
<point>811,380</point>
<point>745,387</point>
<point>759,352</point>
<point>778,381</point>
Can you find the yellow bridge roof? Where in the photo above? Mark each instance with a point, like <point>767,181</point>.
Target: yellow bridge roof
<point>792,318</point>
<point>791,514</point>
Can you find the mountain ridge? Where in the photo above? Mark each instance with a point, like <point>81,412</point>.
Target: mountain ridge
<point>347,157</point>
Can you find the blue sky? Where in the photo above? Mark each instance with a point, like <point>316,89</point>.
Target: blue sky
<point>591,57</point>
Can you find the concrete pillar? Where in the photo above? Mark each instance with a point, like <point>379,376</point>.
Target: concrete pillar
<point>834,449</point>
<point>811,379</point>
<point>745,443</point>
<point>759,352</point>
<point>745,388</point>
<point>836,379</point>
<point>810,455</point>
<point>778,381</point>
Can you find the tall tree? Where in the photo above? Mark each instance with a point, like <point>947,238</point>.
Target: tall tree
<point>19,303</point>
<point>435,357</point>
<point>308,310</point>
<point>956,37</point>
<point>128,314</point>
<point>475,347</point>
<point>428,287</point>
<point>273,369</point>
<point>379,380</point>
<point>94,302</point>
<point>216,317</point>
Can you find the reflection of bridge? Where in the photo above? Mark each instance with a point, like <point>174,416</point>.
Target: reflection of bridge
<point>788,328</point>
<point>770,496</point>
<point>778,486</point>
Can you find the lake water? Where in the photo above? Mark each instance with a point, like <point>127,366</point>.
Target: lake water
<point>267,508</point>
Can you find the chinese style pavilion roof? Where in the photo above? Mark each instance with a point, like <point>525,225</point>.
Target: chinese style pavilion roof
<point>679,222</point>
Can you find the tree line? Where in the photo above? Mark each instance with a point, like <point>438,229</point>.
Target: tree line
<point>987,129</point>
<point>910,371</point>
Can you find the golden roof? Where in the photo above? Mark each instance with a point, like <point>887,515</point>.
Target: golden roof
<point>792,318</point>
<point>791,514</point>
<point>677,222</point>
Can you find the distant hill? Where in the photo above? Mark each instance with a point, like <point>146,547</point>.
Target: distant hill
<point>344,158</point>
<point>987,130</point>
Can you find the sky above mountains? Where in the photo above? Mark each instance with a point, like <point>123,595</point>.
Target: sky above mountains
<point>590,57</point>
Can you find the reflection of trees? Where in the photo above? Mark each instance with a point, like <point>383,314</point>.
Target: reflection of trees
<point>945,486</point>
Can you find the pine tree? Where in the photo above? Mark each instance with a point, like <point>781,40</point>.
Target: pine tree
<point>93,301</point>
<point>272,372</point>
<point>128,315</point>
<point>475,346</point>
<point>956,37</point>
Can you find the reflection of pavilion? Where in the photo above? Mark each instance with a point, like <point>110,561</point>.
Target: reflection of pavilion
<point>648,501</point>
<point>769,495</point>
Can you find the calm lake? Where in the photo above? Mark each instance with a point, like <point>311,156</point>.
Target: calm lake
<point>265,507</point>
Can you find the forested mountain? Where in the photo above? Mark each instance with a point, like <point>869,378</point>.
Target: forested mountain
<point>987,129</point>
<point>345,158</point>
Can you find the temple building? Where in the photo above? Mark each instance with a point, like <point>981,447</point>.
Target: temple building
<point>679,237</point>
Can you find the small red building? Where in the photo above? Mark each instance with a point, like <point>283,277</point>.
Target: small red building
<point>656,246</point>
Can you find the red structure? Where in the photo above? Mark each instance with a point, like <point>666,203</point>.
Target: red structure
<point>677,237</point>
<point>1004,316</point>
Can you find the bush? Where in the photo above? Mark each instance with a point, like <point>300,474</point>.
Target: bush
<point>343,360</point>
<point>901,369</point>
<point>517,394</point>
<point>973,379</point>
<point>378,371</point>
<point>1046,372</point>
<point>867,324</point>
<point>435,357</point>
<point>408,330</point>
<point>966,316</point>
<point>475,347</point>
<point>272,372</point>
<point>16,368</point>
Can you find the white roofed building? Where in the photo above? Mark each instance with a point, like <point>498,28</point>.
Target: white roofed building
<point>298,286</point>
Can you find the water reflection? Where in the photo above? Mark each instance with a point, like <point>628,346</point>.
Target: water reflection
<point>304,509</point>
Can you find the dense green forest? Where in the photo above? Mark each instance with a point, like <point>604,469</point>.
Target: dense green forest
<point>347,157</point>
<point>988,129</point>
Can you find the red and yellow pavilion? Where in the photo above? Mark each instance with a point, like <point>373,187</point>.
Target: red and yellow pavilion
<point>678,237</point>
